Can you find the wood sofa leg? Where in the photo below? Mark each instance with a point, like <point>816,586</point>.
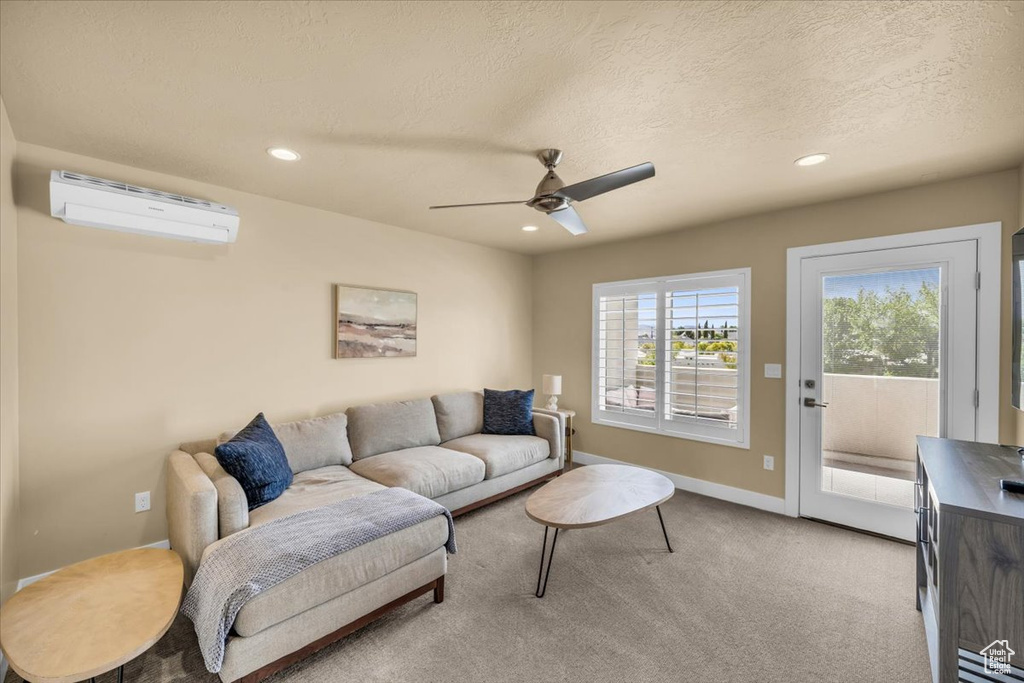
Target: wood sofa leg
<point>439,590</point>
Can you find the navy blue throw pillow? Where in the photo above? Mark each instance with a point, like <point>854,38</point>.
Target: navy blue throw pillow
<point>508,412</point>
<point>256,459</point>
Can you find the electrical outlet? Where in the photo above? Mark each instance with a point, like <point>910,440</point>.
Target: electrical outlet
<point>142,501</point>
<point>769,462</point>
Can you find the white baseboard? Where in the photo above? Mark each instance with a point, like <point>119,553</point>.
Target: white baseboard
<point>28,580</point>
<point>704,488</point>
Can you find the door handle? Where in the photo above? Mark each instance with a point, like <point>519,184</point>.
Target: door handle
<point>811,403</point>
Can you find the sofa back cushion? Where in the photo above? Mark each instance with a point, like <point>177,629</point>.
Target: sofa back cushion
<point>316,442</point>
<point>312,443</point>
<point>385,427</point>
<point>459,414</point>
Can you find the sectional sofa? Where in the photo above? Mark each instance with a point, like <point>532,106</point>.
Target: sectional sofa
<point>430,446</point>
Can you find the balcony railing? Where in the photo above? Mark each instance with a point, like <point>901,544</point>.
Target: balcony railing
<point>871,421</point>
<point>878,417</point>
<point>707,392</point>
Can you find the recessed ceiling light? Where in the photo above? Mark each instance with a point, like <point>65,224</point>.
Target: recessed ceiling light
<point>283,153</point>
<point>530,228</point>
<point>812,159</point>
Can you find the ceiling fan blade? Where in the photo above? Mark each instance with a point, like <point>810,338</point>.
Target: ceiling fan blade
<point>570,220</point>
<point>606,183</point>
<point>459,206</point>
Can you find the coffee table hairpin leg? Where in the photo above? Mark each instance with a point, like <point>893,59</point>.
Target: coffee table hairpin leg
<point>541,589</point>
<point>662,520</point>
<point>120,675</point>
<point>542,575</point>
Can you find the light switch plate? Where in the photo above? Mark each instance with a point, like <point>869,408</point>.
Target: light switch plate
<point>773,370</point>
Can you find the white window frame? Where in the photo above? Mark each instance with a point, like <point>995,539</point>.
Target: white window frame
<point>738,437</point>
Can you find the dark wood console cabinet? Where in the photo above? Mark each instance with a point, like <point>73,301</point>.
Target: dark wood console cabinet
<point>970,555</point>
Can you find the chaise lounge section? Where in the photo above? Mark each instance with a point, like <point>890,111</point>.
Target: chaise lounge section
<point>433,447</point>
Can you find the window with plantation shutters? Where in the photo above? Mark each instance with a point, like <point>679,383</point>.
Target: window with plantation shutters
<point>626,343</point>
<point>671,355</point>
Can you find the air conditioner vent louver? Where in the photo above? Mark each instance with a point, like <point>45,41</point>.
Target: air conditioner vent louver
<point>96,202</point>
<point>145,191</point>
<point>106,183</point>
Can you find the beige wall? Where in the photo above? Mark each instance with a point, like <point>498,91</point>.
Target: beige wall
<point>9,573</point>
<point>562,309</point>
<point>131,344</point>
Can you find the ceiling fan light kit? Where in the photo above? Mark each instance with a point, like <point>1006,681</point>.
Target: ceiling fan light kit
<point>554,198</point>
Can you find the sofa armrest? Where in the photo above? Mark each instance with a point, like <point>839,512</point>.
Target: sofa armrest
<point>555,414</point>
<point>232,505</point>
<point>191,510</point>
<point>548,427</point>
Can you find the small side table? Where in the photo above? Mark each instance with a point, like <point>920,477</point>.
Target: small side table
<point>92,617</point>
<point>568,415</point>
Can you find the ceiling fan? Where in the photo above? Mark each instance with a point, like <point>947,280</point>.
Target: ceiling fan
<point>555,198</point>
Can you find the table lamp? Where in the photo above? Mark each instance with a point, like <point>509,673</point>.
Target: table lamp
<point>552,387</point>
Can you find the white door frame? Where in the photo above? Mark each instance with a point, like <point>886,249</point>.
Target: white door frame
<point>989,237</point>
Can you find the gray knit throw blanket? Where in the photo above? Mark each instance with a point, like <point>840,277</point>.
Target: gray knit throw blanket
<point>249,562</point>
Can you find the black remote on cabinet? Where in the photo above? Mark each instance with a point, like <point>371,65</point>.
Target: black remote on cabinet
<point>1011,485</point>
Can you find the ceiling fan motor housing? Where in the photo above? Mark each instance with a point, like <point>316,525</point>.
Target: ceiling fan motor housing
<point>549,184</point>
<point>544,198</point>
<point>548,204</point>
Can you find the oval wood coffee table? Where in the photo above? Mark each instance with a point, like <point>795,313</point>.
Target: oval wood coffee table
<point>591,496</point>
<point>91,617</point>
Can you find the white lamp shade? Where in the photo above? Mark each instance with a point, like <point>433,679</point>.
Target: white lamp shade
<point>553,385</point>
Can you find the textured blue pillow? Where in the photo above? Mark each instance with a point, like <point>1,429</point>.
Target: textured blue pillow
<point>508,412</point>
<point>256,459</point>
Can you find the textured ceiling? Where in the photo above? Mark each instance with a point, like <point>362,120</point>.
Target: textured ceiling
<point>396,106</point>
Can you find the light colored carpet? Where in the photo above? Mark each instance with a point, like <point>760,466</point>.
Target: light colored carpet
<point>747,596</point>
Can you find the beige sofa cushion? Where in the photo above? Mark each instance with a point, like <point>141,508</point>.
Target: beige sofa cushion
<point>428,470</point>
<point>311,443</point>
<point>502,454</point>
<point>459,414</point>
<point>340,574</point>
<point>386,427</point>
<point>316,442</point>
<point>314,488</point>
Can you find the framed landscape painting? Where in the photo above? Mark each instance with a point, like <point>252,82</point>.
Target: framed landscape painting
<point>374,323</point>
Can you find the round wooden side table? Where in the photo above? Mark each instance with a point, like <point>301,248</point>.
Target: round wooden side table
<point>91,617</point>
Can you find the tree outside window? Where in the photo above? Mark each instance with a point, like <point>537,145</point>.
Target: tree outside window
<point>892,334</point>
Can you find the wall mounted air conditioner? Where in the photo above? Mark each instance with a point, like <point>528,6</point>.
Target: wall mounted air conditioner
<point>99,203</point>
